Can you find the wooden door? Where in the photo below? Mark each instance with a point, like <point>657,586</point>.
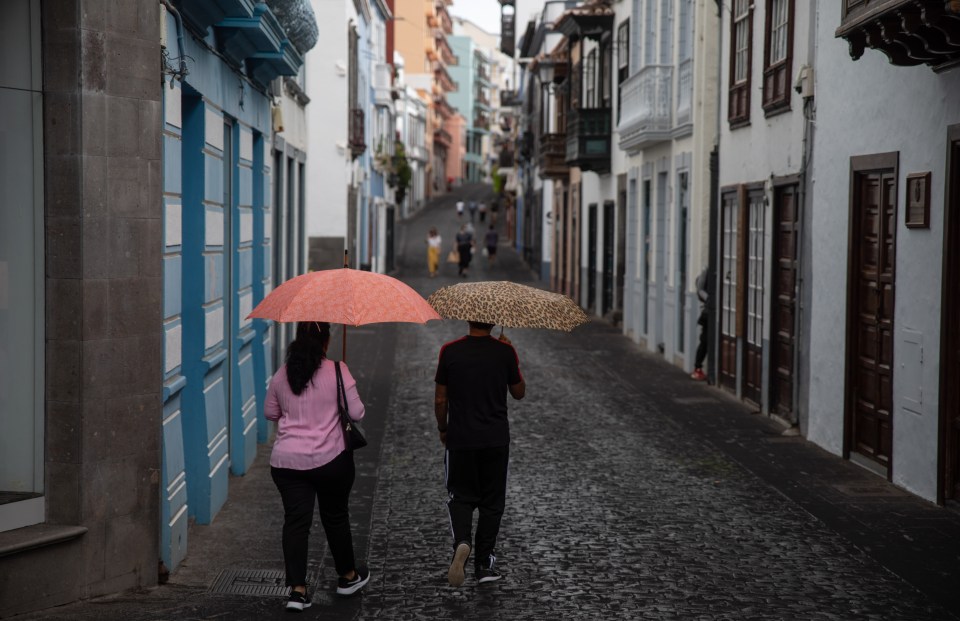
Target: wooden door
<point>755,278</point>
<point>730,208</point>
<point>784,300</point>
<point>950,330</point>
<point>870,324</point>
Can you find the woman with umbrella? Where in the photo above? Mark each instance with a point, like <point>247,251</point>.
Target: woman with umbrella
<point>310,461</point>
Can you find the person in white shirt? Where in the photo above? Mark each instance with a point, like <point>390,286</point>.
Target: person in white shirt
<point>433,251</point>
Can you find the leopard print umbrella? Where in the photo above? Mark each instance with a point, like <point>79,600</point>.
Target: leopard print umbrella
<point>507,304</point>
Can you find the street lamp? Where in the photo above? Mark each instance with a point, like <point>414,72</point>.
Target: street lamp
<point>545,70</point>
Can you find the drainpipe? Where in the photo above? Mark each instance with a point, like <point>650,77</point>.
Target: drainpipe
<point>712,249</point>
<point>183,57</point>
<point>809,114</point>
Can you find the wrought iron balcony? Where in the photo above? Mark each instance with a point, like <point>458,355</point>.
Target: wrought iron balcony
<point>646,108</point>
<point>510,99</point>
<point>909,32</point>
<point>355,135</point>
<point>588,139</point>
<point>553,156</point>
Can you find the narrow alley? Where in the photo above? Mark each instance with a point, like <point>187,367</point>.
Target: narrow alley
<point>634,493</point>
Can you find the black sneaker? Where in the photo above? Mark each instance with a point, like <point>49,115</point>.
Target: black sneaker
<point>298,601</point>
<point>485,574</point>
<point>457,566</point>
<point>349,587</point>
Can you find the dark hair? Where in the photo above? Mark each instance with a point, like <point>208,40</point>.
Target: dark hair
<point>306,353</point>
<point>478,325</point>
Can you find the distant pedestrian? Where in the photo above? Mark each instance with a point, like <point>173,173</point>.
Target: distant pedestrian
<point>491,240</point>
<point>494,210</point>
<point>465,248</point>
<point>310,461</point>
<point>459,209</point>
<point>472,206</point>
<point>433,251</point>
<point>482,207</point>
<point>473,377</point>
<point>703,294</point>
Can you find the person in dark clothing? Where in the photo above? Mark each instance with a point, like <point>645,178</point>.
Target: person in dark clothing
<point>474,375</point>
<point>703,321</point>
<point>491,241</point>
<point>465,249</point>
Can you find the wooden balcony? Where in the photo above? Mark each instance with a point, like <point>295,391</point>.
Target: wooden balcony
<point>553,156</point>
<point>908,32</point>
<point>588,139</point>
<point>355,134</point>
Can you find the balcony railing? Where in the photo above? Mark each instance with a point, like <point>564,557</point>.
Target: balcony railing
<point>588,138</point>
<point>646,106</point>
<point>355,137</point>
<point>510,99</point>
<point>481,122</point>
<point>553,156</point>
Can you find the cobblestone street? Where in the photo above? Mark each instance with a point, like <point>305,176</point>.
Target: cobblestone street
<point>622,503</point>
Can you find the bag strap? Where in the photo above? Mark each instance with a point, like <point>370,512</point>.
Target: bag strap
<point>341,391</point>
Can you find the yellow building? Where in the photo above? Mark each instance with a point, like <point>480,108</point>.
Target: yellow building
<point>420,30</point>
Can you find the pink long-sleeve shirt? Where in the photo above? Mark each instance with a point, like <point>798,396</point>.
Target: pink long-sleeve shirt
<point>308,432</point>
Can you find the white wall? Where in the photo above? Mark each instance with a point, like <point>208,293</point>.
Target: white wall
<point>886,118</point>
<point>328,164</point>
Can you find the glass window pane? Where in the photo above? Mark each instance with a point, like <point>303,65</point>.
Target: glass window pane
<point>21,261</point>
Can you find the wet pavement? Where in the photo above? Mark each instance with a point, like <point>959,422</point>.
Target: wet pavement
<point>634,493</point>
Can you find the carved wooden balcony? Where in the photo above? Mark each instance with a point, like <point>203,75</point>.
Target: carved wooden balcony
<point>908,32</point>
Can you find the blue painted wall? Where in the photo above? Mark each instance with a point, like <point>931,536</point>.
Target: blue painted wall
<point>217,267</point>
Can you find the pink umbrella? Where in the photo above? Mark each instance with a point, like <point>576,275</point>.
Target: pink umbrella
<point>347,296</point>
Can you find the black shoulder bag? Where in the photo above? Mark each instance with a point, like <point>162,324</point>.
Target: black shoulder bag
<point>352,435</point>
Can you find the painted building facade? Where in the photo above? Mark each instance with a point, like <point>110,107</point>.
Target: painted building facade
<point>667,125</point>
<point>219,252</point>
<point>883,258</point>
<point>421,29</point>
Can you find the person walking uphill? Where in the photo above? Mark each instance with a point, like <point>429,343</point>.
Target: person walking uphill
<point>434,242</point>
<point>473,377</point>
<point>310,462</point>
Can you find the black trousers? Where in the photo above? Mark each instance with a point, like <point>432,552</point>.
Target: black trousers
<point>329,485</point>
<point>477,480</point>
<point>704,324</point>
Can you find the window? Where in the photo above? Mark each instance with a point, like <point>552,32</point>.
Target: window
<point>650,34</point>
<point>21,268</point>
<point>778,55</point>
<point>666,32</point>
<point>590,80</point>
<point>741,29</point>
<point>623,58</point>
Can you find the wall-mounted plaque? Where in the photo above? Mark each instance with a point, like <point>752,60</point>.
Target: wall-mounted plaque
<point>918,200</point>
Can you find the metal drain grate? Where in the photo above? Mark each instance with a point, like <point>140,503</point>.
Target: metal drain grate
<point>257,582</point>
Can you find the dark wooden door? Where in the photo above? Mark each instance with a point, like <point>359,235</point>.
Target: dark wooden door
<point>591,257</point>
<point>870,340</point>
<point>755,285</point>
<point>950,333</point>
<point>730,208</point>
<point>608,257</point>
<point>784,300</point>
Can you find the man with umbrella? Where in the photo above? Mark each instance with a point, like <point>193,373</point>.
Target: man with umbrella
<point>473,377</point>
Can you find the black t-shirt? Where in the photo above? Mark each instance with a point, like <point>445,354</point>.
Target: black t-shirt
<point>477,371</point>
